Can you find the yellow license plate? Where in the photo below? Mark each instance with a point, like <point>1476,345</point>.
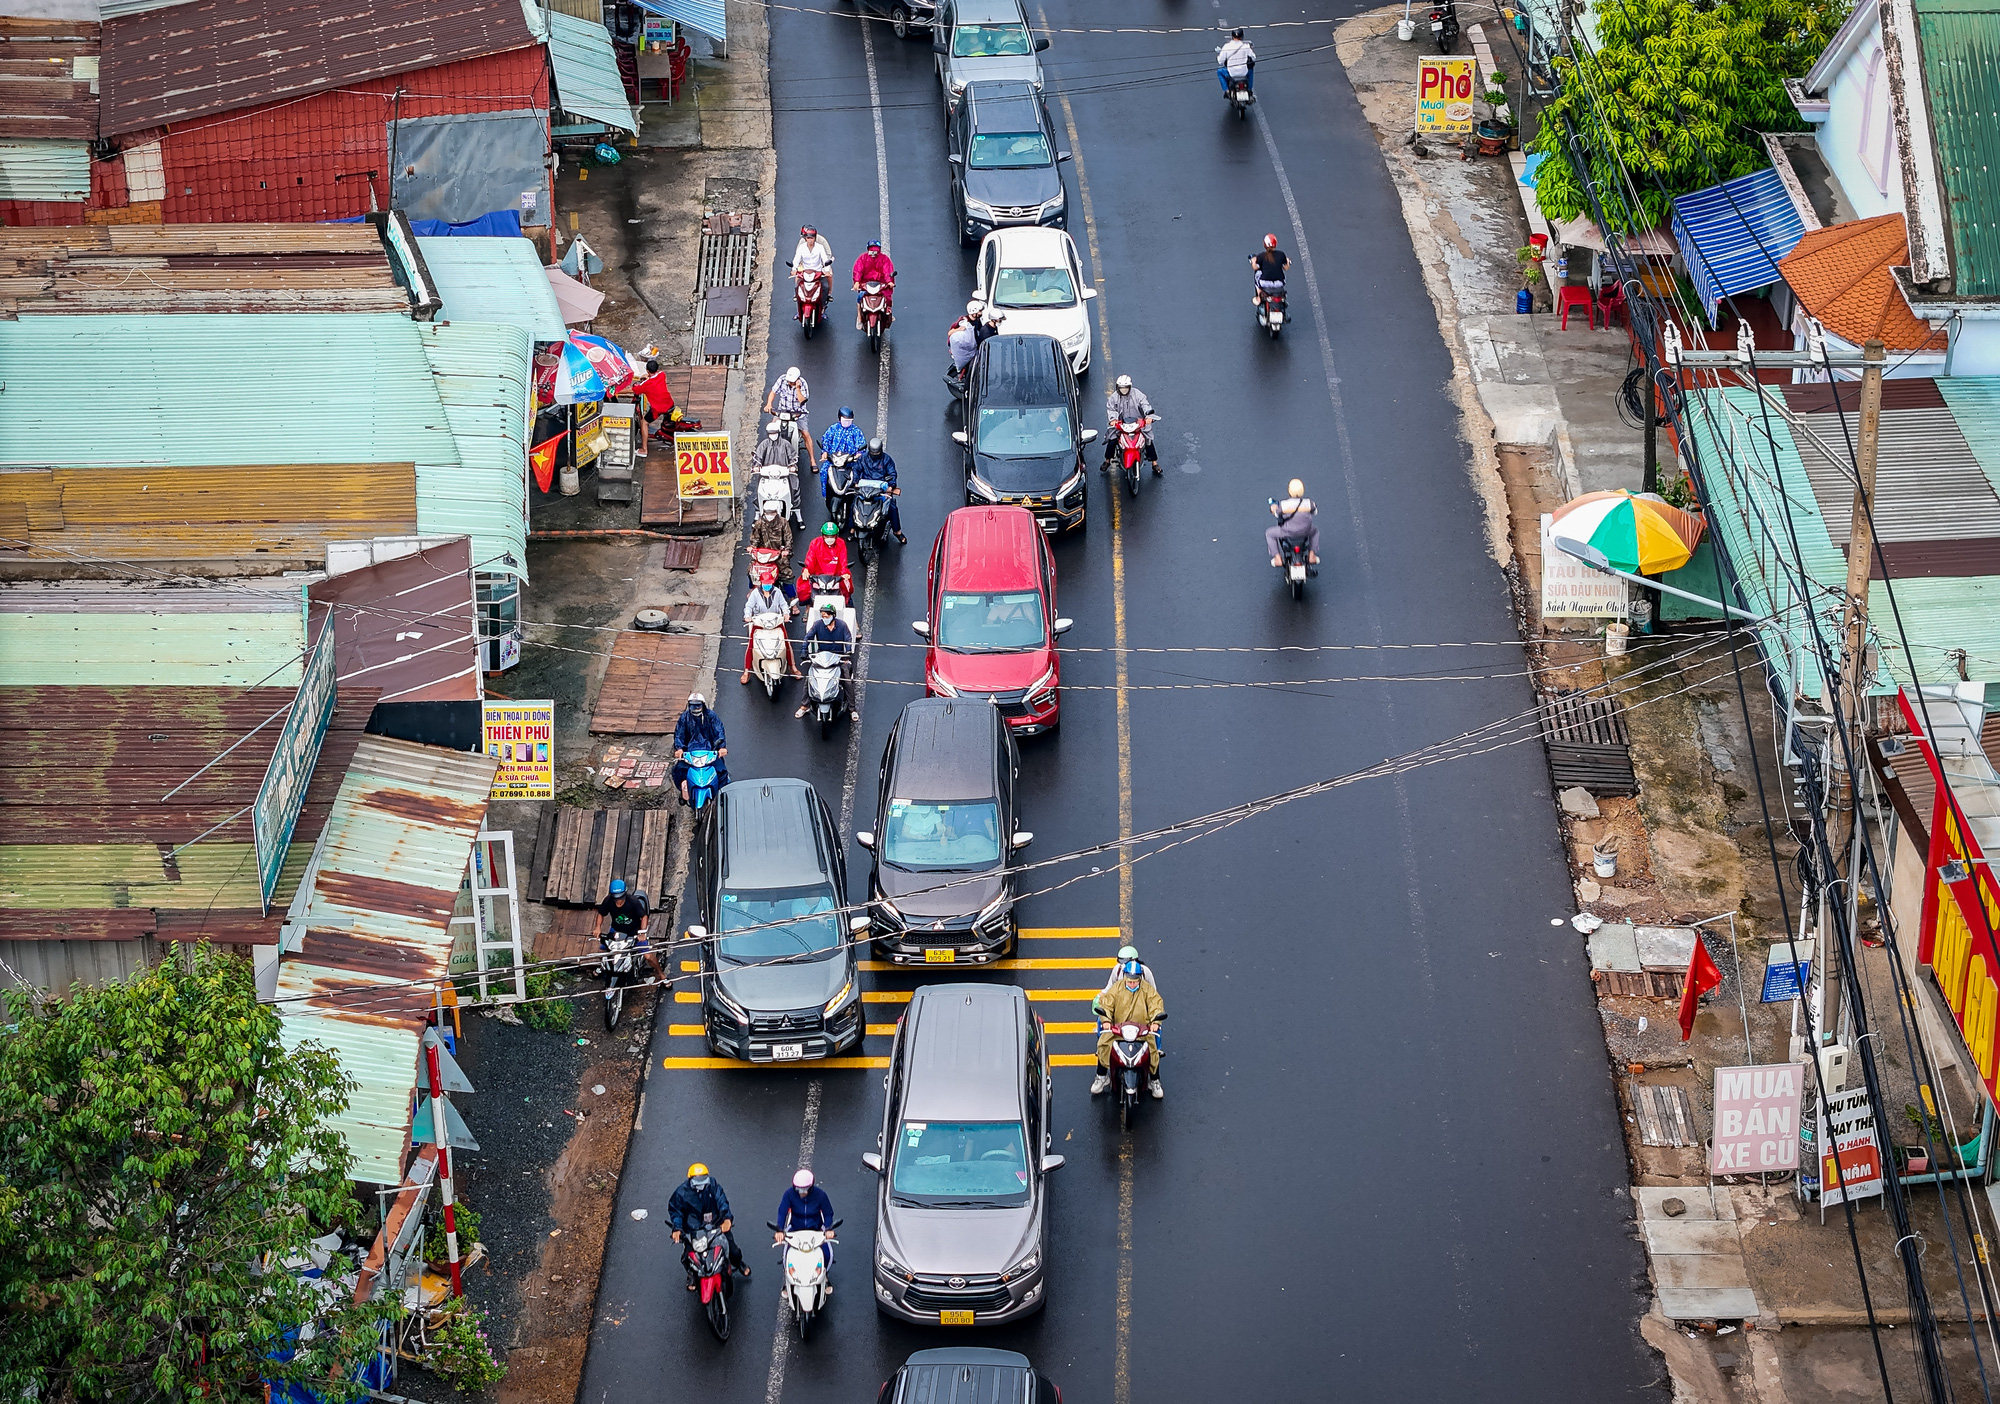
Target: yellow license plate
<point>954,1318</point>
<point>934,956</point>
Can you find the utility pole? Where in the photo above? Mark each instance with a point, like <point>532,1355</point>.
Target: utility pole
<point>1860,560</point>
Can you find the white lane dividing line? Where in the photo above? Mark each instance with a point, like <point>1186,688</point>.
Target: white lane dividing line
<point>781,1340</point>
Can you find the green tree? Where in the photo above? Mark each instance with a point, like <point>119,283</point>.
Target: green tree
<point>161,1154</point>
<point>1677,92</point>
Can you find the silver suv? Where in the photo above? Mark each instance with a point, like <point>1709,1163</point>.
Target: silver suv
<point>979,41</point>
<point>960,1218</point>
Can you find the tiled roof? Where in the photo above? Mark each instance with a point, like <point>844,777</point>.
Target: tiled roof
<point>1841,276</point>
<point>206,56</point>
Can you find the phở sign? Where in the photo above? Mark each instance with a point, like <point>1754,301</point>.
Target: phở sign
<point>1756,1119</point>
<point>1444,96</point>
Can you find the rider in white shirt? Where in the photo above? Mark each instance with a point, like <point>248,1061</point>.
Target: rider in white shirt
<point>1235,59</point>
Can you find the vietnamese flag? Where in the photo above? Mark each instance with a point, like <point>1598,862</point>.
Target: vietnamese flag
<point>542,458</point>
<point>1702,977</point>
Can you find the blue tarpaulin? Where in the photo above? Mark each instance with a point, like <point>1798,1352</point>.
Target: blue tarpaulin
<point>499,223</point>
<point>1733,234</point>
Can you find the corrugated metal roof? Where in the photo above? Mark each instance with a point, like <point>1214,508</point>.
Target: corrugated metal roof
<point>408,626</point>
<point>231,633</point>
<point>120,9</point>
<point>394,854</point>
<point>48,79</point>
<point>706,15</point>
<point>1975,404</point>
<point>1960,40</point>
<point>35,169</point>
<point>494,280</point>
<point>482,377</point>
<point>1733,234</point>
<point>204,56</point>
<point>588,83</point>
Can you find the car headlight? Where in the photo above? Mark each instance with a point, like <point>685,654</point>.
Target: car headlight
<point>1057,203</point>
<point>983,488</point>
<point>941,688</point>
<point>1077,341</point>
<point>845,996</point>
<point>1044,683</point>
<point>729,1006</point>
<point>1075,484</point>
<point>892,1267</point>
<point>1022,1268</point>
<point>993,912</point>
<point>978,209</point>
<point>957,86</point>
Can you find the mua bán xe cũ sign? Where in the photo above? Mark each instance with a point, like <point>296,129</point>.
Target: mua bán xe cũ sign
<point>1756,1119</point>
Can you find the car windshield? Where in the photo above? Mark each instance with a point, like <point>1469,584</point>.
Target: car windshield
<point>1012,151</point>
<point>1006,621</point>
<point>936,837</point>
<point>1034,287</point>
<point>788,921</point>
<point>961,1162</point>
<point>1024,433</point>
<point>991,41</point>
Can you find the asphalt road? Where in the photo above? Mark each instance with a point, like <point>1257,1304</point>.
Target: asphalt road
<point>1388,1165</point>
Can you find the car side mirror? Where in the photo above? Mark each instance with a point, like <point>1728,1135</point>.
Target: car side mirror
<point>1051,1162</point>
<point>860,924</point>
<point>865,838</point>
<point>956,159</point>
<point>697,933</point>
<point>1023,839</point>
<point>1089,293</point>
<point>1041,45</point>
<point>872,1161</point>
<point>958,436</point>
<point>1063,626</point>
<point>1088,436</point>
<point>921,627</point>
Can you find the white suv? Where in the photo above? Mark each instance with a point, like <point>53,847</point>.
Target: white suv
<point>977,41</point>
<point>1032,277</point>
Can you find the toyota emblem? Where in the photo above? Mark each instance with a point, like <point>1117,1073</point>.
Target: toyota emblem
<point>955,1283</point>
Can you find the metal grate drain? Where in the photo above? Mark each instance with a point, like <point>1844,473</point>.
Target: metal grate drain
<point>728,262</point>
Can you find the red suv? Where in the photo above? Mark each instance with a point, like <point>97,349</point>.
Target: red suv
<point>993,627</point>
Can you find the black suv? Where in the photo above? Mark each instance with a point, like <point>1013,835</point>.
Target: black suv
<point>1024,437</point>
<point>946,816</point>
<point>1004,159</point>
<point>779,978</point>
<point>970,1373</point>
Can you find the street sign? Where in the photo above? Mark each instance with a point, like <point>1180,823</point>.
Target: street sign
<point>1756,1119</point>
<point>1788,972</point>
<point>421,1132</point>
<point>454,1080</point>
<point>1850,1123</point>
<point>1444,96</point>
<point>1572,590</point>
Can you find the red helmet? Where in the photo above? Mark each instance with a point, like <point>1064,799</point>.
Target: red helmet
<point>1270,241</point>
<point>808,232</point>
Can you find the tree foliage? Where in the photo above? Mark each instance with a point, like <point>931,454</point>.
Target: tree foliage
<point>159,1150</point>
<point>1677,92</point>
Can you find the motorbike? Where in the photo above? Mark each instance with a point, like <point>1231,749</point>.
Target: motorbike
<point>774,484</point>
<point>705,1255</point>
<point>806,1283</point>
<point>1270,307</point>
<point>702,768</point>
<point>811,293</point>
<point>876,313</point>
<point>1132,452</point>
<point>619,965</point>
<point>826,690</point>
<point>1296,560</point>
<point>765,563</point>
<point>769,648</point>
<point>1444,26</point>
<point>954,380</point>
<point>1129,1052</point>
<point>868,516</point>
<point>831,589</point>
<point>1241,96</point>
<point>839,487</point>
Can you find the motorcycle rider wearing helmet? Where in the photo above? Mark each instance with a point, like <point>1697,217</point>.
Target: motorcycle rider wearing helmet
<point>766,600</point>
<point>1126,955</point>
<point>806,1206</point>
<point>874,266</point>
<point>789,393</point>
<point>963,338</point>
<point>1268,267</point>
<point>845,437</point>
<point>829,634</point>
<point>697,1202</point>
<point>1296,521</point>
<point>1236,59</point>
<point>1132,1000</point>
<point>772,531</point>
<point>624,916</point>
<point>1124,401</point>
<point>876,463</point>
<point>698,729</point>
<point>828,556</point>
<point>812,253</point>
<point>774,448</point>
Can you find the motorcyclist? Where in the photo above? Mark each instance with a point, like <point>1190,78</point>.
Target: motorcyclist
<point>813,253</point>
<point>1268,267</point>
<point>829,634</point>
<point>772,531</point>
<point>697,1202</point>
<point>1296,521</point>
<point>806,1206</point>
<point>963,338</point>
<point>828,556</point>
<point>766,600</point>
<point>774,448</point>
<point>842,437</point>
<point>1125,401</point>
<point>1236,59</point>
<point>1126,954</point>
<point>624,916</point>
<point>699,729</point>
<point>1133,1000</point>
<point>874,266</point>
<point>876,463</point>
<point>789,393</point>
<point>989,324</point>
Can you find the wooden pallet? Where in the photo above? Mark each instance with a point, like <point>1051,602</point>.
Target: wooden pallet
<point>646,683</point>
<point>1587,743</point>
<point>1665,1119</point>
<point>579,851</point>
<point>572,931</point>
<point>699,391</point>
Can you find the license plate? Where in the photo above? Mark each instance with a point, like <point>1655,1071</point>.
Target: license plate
<point>935,956</point>
<point>1297,572</point>
<point>954,1318</point>
<point>785,1052</point>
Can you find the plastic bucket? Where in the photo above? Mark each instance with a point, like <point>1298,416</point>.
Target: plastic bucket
<point>1616,636</point>
<point>1406,30</point>
<point>1604,864</point>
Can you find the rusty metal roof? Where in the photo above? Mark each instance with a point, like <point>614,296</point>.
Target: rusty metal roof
<point>376,914</point>
<point>205,56</point>
<point>106,268</point>
<point>48,79</point>
<point>86,838</point>
<point>409,627</point>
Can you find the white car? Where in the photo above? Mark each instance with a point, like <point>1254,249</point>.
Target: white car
<point>1032,276</point>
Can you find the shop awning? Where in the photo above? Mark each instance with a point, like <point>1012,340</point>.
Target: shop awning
<point>588,84</point>
<point>705,15</point>
<point>1582,233</point>
<point>579,301</point>
<point>1733,234</point>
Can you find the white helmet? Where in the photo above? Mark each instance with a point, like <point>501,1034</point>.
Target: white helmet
<point>974,307</point>
<point>802,1181</point>
<point>773,507</point>
<point>772,428</point>
<point>1124,383</point>
<point>792,373</point>
<point>1296,488</point>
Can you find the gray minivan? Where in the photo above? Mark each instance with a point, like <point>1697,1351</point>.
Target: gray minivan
<point>976,41</point>
<point>960,1216</point>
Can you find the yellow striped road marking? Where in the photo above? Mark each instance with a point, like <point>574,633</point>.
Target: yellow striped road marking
<point>1083,1028</point>
<point>1063,1060</point>
<point>1031,963</point>
<point>806,1064</point>
<point>1069,933</point>
<point>1038,996</point>
<point>687,996</point>
<point>691,965</point>
<point>874,1030</point>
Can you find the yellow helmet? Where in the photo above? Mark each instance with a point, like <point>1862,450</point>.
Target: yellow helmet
<point>697,1170</point>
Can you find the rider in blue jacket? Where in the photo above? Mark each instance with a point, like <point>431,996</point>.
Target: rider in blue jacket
<point>699,729</point>
<point>876,463</point>
<point>842,436</point>
<point>805,1206</point>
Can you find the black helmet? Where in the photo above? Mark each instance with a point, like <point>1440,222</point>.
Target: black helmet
<point>1236,33</point>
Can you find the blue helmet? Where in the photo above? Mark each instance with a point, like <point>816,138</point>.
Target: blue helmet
<point>847,412</point>
<point>618,887</point>
<point>1131,969</point>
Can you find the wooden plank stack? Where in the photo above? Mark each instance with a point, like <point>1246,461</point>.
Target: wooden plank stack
<point>579,851</point>
<point>646,683</point>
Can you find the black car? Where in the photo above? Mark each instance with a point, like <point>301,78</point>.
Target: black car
<point>908,18</point>
<point>779,977</point>
<point>1004,159</point>
<point>1024,437</point>
<point>945,815</point>
<point>970,1373</point>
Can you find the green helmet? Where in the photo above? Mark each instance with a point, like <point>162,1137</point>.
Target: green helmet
<point>1126,953</point>
<point>829,529</point>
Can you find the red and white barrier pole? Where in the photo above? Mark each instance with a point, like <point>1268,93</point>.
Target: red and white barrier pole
<point>438,1126</point>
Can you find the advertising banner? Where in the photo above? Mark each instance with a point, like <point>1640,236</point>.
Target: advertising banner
<point>522,737</point>
<point>1444,95</point>
<point>1572,590</point>
<point>1851,1127</point>
<point>1788,972</point>
<point>702,463</point>
<point>1756,1119</point>
<point>589,435</point>
<point>279,798</point>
